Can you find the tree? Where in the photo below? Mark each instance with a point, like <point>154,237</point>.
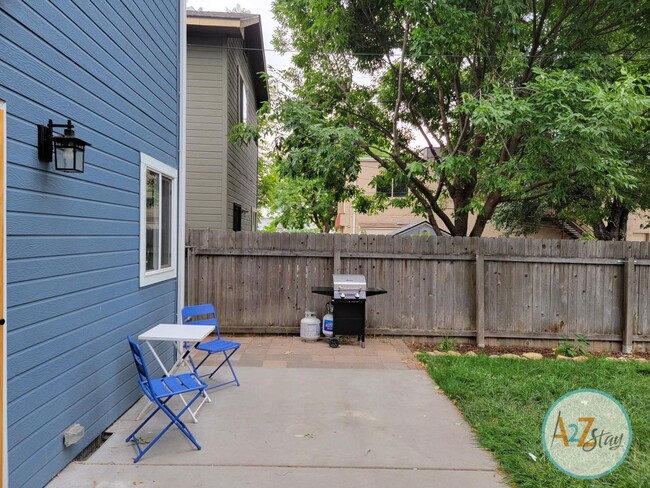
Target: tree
<point>495,88</point>
<point>615,120</point>
<point>238,9</point>
<point>300,203</point>
<point>314,163</point>
<point>310,167</point>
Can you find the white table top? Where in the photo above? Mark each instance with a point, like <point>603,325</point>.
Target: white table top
<point>177,332</point>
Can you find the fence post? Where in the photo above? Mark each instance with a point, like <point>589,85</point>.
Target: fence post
<point>480,301</point>
<point>628,297</point>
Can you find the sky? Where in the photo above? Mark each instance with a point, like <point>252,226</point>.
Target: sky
<point>261,7</point>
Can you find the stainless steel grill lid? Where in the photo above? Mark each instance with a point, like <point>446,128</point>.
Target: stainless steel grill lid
<point>349,287</point>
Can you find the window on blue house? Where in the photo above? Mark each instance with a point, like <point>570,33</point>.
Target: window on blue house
<point>158,221</point>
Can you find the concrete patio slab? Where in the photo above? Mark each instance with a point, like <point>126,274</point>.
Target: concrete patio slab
<point>296,427</point>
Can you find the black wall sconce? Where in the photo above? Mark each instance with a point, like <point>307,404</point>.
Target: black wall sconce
<point>68,150</point>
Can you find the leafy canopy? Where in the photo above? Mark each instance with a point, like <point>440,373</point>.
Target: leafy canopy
<point>519,103</point>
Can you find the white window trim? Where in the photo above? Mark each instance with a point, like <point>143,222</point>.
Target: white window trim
<point>150,277</point>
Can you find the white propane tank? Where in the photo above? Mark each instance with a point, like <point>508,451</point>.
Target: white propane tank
<point>310,327</point>
<point>328,322</point>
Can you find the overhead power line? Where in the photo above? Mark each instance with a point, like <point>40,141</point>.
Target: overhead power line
<point>375,54</point>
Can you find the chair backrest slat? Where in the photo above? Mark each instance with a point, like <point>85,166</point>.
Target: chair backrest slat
<point>204,314</point>
<point>141,365</point>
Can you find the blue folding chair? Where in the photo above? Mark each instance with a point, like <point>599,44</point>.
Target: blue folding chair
<point>206,315</point>
<point>160,391</point>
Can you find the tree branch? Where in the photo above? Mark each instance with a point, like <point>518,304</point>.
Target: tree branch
<point>400,80</point>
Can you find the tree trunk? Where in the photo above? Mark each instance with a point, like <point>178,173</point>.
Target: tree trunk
<point>616,228</point>
<point>489,207</point>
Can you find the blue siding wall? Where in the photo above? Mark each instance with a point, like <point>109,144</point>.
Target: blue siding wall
<point>73,239</point>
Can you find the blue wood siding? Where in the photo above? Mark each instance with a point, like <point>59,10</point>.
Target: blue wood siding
<point>73,290</point>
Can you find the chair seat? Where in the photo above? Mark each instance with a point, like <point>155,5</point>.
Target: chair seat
<point>176,385</point>
<point>205,314</point>
<point>218,345</point>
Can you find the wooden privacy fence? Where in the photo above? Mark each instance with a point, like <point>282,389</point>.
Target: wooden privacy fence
<point>488,290</point>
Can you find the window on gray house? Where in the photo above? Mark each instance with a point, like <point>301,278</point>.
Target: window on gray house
<point>236,217</point>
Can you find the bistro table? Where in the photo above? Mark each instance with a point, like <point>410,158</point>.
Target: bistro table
<point>178,334</point>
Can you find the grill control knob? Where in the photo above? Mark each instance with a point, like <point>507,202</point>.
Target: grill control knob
<point>342,295</point>
<point>356,295</point>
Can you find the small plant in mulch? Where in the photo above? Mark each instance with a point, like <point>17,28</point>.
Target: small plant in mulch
<point>573,348</point>
<point>447,344</point>
<point>520,349</point>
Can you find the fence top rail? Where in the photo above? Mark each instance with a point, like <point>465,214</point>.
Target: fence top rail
<point>198,251</point>
<point>554,260</point>
<point>419,245</point>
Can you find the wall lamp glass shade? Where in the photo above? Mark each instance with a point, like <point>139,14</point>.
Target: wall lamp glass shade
<point>69,151</point>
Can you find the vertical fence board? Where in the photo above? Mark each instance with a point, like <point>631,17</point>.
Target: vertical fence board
<point>629,306</point>
<point>480,300</point>
<point>491,283</point>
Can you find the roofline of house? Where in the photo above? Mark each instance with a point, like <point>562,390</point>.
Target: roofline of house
<point>249,28</point>
<point>224,22</point>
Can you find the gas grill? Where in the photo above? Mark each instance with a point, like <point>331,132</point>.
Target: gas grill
<point>349,293</point>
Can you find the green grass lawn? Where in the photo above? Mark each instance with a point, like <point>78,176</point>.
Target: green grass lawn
<point>505,401</point>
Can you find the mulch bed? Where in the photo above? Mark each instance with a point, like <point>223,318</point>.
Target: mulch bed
<point>519,350</point>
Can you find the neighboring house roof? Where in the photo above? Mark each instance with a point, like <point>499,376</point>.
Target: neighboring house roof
<point>417,229</point>
<point>246,26</point>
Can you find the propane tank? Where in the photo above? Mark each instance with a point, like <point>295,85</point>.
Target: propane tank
<point>328,321</point>
<point>310,327</point>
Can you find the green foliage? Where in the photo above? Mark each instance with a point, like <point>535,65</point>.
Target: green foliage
<point>518,102</point>
<point>521,218</point>
<point>569,348</point>
<point>585,114</point>
<point>447,344</point>
<point>300,203</point>
<point>310,165</point>
<point>243,134</point>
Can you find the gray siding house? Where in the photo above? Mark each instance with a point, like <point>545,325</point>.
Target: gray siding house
<point>225,57</point>
<point>90,257</point>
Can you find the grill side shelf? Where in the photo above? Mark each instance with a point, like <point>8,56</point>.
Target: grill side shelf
<point>328,291</point>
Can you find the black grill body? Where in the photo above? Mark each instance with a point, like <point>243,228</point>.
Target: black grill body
<point>349,313</point>
<point>350,318</point>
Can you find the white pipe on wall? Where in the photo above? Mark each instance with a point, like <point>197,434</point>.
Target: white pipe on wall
<point>182,59</point>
